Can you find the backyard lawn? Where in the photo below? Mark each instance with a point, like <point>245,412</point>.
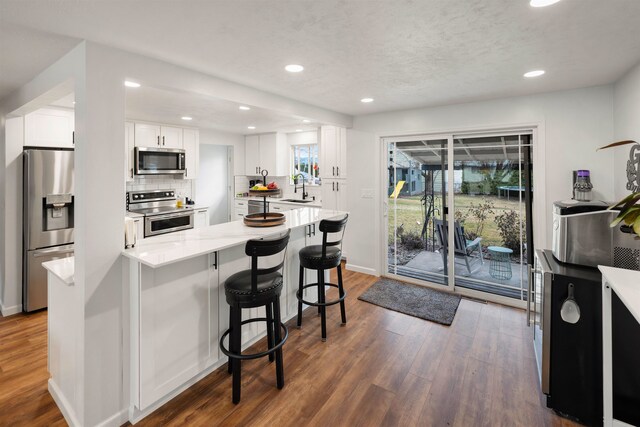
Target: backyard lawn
<point>409,212</point>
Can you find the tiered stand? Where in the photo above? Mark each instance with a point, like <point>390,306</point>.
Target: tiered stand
<point>264,219</point>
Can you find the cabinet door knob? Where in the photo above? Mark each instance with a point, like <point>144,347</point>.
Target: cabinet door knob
<point>158,139</point>
<point>333,186</point>
<point>163,140</point>
<point>337,170</point>
<point>333,171</point>
<point>131,172</point>
<point>73,137</point>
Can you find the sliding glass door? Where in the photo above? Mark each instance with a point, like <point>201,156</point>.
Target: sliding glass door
<point>484,182</point>
<point>417,172</point>
<point>490,213</point>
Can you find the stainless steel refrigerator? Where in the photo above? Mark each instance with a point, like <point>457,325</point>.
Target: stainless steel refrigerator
<point>47,218</point>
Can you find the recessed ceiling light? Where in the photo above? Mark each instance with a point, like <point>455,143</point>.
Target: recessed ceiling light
<point>298,130</point>
<point>306,121</point>
<point>294,68</point>
<point>187,118</point>
<point>251,127</point>
<point>366,100</point>
<point>128,83</point>
<point>535,73</point>
<point>542,3</point>
<point>74,102</point>
<point>244,108</point>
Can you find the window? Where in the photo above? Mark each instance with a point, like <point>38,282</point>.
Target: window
<point>304,160</point>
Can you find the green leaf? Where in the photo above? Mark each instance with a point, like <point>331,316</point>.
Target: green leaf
<point>617,144</point>
<point>636,226</point>
<point>631,215</point>
<point>623,215</point>
<point>627,202</point>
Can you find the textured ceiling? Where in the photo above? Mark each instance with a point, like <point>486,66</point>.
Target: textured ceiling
<point>402,53</point>
<point>158,105</point>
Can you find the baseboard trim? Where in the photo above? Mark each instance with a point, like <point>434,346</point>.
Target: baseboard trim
<point>116,420</point>
<point>360,269</point>
<point>8,311</point>
<point>63,404</point>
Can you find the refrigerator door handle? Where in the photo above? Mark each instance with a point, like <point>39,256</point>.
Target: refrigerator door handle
<point>46,252</point>
<point>529,280</point>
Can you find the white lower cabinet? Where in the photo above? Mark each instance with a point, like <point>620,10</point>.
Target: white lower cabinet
<point>279,207</point>
<point>177,337</point>
<point>201,218</point>
<point>240,209</point>
<point>139,222</point>
<point>179,311</point>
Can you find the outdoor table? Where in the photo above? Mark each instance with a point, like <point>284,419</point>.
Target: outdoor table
<point>500,264</point>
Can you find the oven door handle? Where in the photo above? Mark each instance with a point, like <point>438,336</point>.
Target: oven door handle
<point>529,283</point>
<point>169,216</point>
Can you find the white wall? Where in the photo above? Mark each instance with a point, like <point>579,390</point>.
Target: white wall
<point>11,286</point>
<point>212,183</point>
<point>571,125</point>
<point>626,123</point>
<point>209,136</point>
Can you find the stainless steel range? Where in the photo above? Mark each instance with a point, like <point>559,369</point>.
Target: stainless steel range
<point>161,215</point>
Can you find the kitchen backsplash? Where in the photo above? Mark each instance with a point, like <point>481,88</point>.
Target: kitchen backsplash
<point>182,187</point>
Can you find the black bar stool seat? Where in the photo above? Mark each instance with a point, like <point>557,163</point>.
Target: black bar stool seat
<point>320,258</point>
<point>237,288</point>
<point>311,257</point>
<point>250,289</point>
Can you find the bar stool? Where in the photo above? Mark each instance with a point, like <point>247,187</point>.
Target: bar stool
<point>320,258</point>
<point>255,288</point>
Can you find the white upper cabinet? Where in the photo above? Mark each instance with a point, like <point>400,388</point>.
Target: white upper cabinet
<point>151,135</point>
<point>129,143</point>
<point>333,152</point>
<point>171,137</point>
<point>49,127</point>
<point>191,146</point>
<point>266,152</point>
<point>252,154</point>
<point>147,135</point>
<point>269,154</point>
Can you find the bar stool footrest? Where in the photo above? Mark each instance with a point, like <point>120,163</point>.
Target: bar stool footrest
<point>318,304</point>
<point>254,355</point>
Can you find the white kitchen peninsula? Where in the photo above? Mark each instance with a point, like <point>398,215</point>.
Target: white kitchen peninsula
<point>178,309</point>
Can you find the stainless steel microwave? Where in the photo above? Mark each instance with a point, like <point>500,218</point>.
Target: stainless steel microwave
<point>159,161</point>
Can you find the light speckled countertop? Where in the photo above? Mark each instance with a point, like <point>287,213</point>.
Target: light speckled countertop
<point>169,248</point>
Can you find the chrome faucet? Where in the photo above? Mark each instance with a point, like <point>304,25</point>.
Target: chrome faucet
<point>295,186</point>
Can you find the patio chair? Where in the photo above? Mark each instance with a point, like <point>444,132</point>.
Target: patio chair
<point>462,248</point>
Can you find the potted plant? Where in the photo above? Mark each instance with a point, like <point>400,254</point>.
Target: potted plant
<point>629,207</point>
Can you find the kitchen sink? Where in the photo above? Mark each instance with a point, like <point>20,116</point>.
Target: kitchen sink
<point>297,201</point>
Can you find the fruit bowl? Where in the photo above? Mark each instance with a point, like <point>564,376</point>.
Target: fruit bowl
<point>264,192</point>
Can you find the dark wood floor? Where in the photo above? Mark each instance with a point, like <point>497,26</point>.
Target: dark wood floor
<point>382,368</point>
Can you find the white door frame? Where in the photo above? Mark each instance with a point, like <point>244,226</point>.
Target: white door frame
<point>539,213</point>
